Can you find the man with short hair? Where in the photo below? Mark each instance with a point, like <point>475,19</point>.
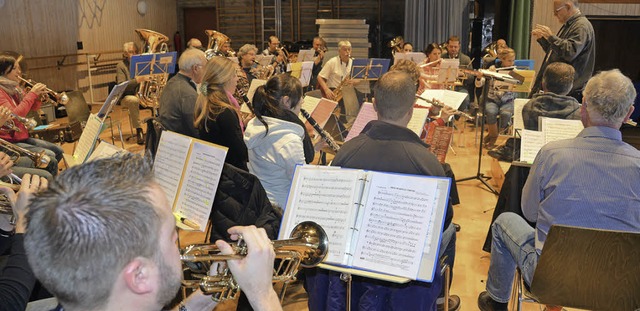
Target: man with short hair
<point>336,70</point>
<point>194,43</point>
<point>178,99</point>
<point>574,44</point>
<point>453,52</point>
<point>558,189</point>
<point>102,237</point>
<point>272,48</point>
<point>320,47</point>
<point>129,98</point>
<point>385,145</point>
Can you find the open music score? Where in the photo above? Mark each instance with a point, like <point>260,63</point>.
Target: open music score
<point>188,170</point>
<point>367,114</point>
<point>551,129</point>
<point>381,225</point>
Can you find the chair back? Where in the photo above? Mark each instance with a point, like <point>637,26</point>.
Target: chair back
<point>529,63</point>
<point>77,108</point>
<point>589,269</point>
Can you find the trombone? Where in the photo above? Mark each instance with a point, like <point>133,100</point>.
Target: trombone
<point>307,247</point>
<point>53,97</point>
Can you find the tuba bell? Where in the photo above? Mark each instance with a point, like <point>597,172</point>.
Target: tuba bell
<point>396,44</point>
<point>150,89</point>
<point>216,41</point>
<point>307,247</point>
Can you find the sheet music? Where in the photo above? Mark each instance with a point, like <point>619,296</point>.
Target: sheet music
<point>530,145</point>
<point>306,55</point>
<point>326,197</point>
<point>264,60</point>
<point>557,129</point>
<point>366,114</point>
<point>88,138</point>
<point>452,99</point>
<point>448,70</point>
<point>309,104</point>
<point>416,57</point>
<point>169,162</point>
<point>400,216</point>
<point>419,117</point>
<point>518,105</point>
<point>105,150</point>
<point>255,84</point>
<point>200,183</point>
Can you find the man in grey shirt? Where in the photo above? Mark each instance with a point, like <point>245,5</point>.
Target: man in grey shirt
<point>178,99</point>
<point>574,44</point>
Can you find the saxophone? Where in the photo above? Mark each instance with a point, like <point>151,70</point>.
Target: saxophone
<point>150,90</point>
<point>325,136</point>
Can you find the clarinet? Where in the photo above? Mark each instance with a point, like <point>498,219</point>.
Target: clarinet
<point>325,136</point>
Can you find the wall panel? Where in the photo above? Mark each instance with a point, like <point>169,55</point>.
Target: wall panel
<point>41,28</point>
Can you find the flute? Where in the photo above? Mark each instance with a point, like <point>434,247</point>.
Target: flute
<point>438,104</point>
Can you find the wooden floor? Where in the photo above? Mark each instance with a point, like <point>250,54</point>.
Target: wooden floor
<point>473,215</point>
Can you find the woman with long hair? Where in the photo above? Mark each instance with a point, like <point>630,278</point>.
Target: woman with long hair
<point>217,111</point>
<point>20,103</point>
<point>276,138</point>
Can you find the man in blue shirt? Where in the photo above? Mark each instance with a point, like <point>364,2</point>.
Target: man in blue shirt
<point>584,182</point>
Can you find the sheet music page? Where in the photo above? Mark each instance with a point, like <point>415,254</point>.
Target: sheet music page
<point>557,129</point>
<point>169,163</point>
<point>88,138</point>
<point>518,105</point>
<point>105,150</point>
<point>530,145</point>
<point>419,117</point>
<point>327,196</point>
<point>305,74</point>
<point>323,111</point>
<point>295,69</point>
<point>255,84</point>
<point>366,114</point>
<point>448,70</point>
<point>306,55</point>
<point>200,182</point>
<point>398,219</point>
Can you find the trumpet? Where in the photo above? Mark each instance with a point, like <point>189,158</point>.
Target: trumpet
<point>40,159</point>
<point>51,96</point>
<point>307,247</point>
<point>10,125</point>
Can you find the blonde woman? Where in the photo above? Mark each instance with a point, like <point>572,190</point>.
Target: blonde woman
<point>217,111</point>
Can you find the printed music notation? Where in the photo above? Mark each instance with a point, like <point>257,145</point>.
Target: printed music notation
<point>188,170</point>
<point>382,222</point>
<point>328,199</point>
<point>399,207</point>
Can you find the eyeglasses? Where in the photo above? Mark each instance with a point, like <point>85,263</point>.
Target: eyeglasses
<point>560,8</point>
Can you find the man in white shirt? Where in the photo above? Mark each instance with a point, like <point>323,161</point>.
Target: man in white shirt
<point>336,70</point>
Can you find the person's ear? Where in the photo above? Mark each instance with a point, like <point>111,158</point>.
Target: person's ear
<point>138,276</point>
<point>286,102</point>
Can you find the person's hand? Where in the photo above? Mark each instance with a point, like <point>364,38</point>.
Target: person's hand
<point>328,94</point>
<point>447,112</point>
<point>20,201</point>
<point>254,273</point>
<point>536,34</point>
<point>5,115</point>
<point>5,164</point>
<point>39,89</point>
<point>434,110</point>
<point>543,30</point>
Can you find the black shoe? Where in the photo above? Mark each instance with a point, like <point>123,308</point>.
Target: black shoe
<point>486,303</point>
<point>139,136</point>
<point>454,303</point>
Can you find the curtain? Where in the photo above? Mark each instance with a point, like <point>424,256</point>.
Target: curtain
<point>428,21</point>
<point>520,27</point>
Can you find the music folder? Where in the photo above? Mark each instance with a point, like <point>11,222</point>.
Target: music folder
<point>382,225</point>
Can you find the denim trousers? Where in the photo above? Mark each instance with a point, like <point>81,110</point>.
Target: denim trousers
<point>505,110</point>
<point>512,246</point>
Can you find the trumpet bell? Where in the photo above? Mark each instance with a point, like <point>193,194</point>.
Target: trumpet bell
<point>316,238</point>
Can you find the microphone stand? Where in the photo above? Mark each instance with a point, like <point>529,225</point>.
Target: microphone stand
<point>479,175</point>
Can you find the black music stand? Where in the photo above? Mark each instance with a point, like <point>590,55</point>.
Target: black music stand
<point>479,175</point>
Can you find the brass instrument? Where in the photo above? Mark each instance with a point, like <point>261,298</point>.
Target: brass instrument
<point>10,125</point>
<point>307,247</point>
<point>262,72</point>
<point>50,95</point>
<point>40,159</point>
<point>396,44</point>
<point>150,89</point>
<point>437,103</point>
<point>216,41</point>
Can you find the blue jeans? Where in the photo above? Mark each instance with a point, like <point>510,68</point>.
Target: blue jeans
<point>505,110</point>
<point>53,151</point>
<point>448,249</point>
<point>512,246</point>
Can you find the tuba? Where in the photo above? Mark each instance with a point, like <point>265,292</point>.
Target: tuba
<point>150,89</point>
<point>307,247</point>
<point>396,44</point>
<point>216,41</point>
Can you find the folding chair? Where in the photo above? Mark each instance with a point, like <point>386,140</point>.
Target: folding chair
<point>588,268</point>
